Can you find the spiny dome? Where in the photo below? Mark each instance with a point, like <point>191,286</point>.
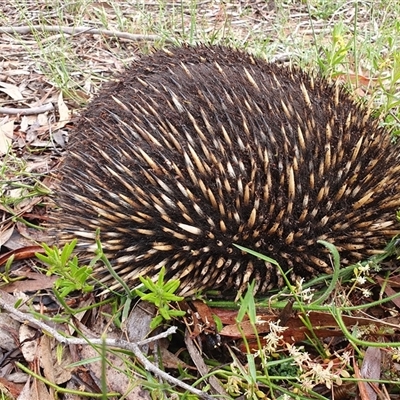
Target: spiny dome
<point>193,149</point>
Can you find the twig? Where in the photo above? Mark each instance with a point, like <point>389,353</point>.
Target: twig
<point>198,361</point>
<point>117,343</point>
<point>77,31</point>
<point>27,111</point>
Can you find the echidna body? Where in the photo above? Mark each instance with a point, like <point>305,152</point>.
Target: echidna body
<point>196,148</point>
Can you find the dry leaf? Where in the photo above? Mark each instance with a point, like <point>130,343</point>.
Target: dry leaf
<point>6,135</point>
<point>12,90</point>
<point>55,372</point>
<point>42,119</point>
<point>199,362</point>
<point>29,342</point>
<point>35,391</point>
<point>33,282</point>
<point>169,360</point>
<point>9,389</point>
<point>63,112</point>
<point>116,380</point>
<point>137,325</point>
<point>8,332</point>
<point>371,369</point>
<point>27,121</point>
<point>5,235</point>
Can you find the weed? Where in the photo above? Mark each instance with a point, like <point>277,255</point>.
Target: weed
<point>72,276</point>
<point>161,294</point>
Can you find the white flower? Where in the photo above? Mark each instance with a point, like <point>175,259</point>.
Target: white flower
<point>361,280</point>
<point>366,292</point>
<point>273,338</point>
<point>364,268</point>
<point>307,295</point>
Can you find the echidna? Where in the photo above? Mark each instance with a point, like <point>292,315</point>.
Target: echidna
<point>194,149</point>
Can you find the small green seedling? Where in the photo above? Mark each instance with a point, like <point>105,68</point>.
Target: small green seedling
<point>61,262</point>
<point>161,294</point>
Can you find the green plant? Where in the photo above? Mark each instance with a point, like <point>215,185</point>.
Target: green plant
<point>61,262</point>
<point>161,294</point>
<point>335,54</point>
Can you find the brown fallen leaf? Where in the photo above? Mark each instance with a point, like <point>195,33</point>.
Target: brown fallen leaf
<point>371,369</point>
<point>9,388</point>
<point>35,389</point>
<point>21,254</point>
<point>55,369</point>
<point>117,379</point>
<point>34,281</point>
<point>324,325</point>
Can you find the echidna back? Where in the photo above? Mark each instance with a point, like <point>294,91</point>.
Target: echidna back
<point>194,149</point>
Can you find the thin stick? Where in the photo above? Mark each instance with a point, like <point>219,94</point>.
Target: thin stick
<point>77,31</point>
<point>27,111</point>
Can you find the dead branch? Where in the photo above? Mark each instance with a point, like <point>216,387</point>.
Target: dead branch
<point>77,31</point>
<point>27,111</point>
